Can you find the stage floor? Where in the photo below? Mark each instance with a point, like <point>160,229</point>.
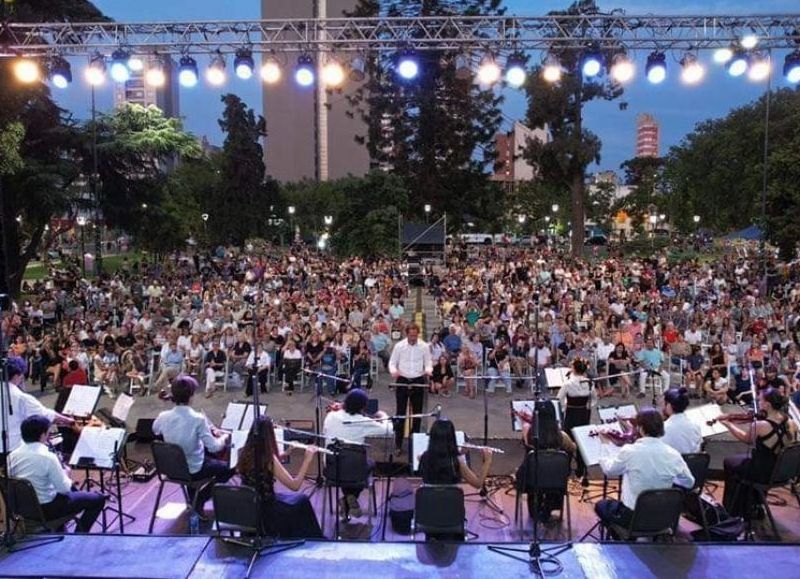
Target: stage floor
<point>150,557</point>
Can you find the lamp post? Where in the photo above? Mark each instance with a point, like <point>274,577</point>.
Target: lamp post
<point>82,223</point>
<point>98,238</point>
<point>427,209</point>
<point>204,217</point>
<point>291,210</point>
<point>653,219</point>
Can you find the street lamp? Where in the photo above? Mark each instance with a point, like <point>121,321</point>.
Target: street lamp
<point>427,209</point>
<point>204,217</point>
<point>82,223</point>
<point>290,209</point>
<point>696,219</point>
<point>328,219</point>
<point>520,219</point>
<point>144,205</point>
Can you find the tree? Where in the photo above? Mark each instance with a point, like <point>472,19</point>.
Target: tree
<point>559,107</point>
<point>644,175</point>
<point>241,164</point>
<point>435,131</point>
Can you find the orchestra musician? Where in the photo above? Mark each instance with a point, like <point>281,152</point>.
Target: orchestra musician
<point>577,398</point>
<point>348,422</point>
<point>647,464</point>
<point>287,515</point>
<point>679,432</point>
<point>33,461</point>
<point>410,363</point>
<point>191,431</point>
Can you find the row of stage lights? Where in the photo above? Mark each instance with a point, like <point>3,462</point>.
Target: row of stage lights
<point>738,60</point>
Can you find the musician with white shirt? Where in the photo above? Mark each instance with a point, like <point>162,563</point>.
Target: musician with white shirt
<point>679,432</point>
<point>410,363</point>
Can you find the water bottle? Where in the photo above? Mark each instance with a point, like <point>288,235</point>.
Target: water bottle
<point>194,523</point>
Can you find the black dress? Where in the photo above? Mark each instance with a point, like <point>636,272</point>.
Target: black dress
<point>287,515</point>
<point>578,412</point>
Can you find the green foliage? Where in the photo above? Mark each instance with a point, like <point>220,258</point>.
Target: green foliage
<point>645,177</point>
<point>11,137</point>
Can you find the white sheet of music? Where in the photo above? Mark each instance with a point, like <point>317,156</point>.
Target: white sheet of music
<point>247,419</point>
<point>526,406</point>
<point>591,447</point>
<point>700,415</point>
<point>122,407</point>
<point>419,444</point>
<point>82,401</point>
<point>233,416</point>
<point>556,377</point>
<point>99,444</point>
<point>612,413</point>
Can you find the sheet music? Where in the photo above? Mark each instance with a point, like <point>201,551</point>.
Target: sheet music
<point>612,413</point>
<point>239,438</point>
<point>556,377</point>
<point>247,419</point>
<point>419,444</point>
<point>82,401</point>
<point>527,406</point>
<point>122,407</point>
<point>591,447</point>
<point>99,444</point>
<point>233,416</point>
<point>700,415</point>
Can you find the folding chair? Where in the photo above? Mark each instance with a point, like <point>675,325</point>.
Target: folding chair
<point>440,510</point>
<point>552,477</point>
<point>656,515</point>
<point>24,508</point>
<point>698,463</point>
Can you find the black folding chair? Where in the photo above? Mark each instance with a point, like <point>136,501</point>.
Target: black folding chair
<point>440,510</point>
<point>698,463</point>
<point>172,467</point>
<point>656,515</point>
<point>24,508</point>
<point>239,509</point>
<point>552,478</point>
<point>348,468</point>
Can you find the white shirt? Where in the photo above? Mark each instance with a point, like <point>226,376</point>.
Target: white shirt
<point>542,356</point>
<point>693,338</point>
<point>188,429</point>
<point>647,464</point>
<point>23,405</point>
<point>604,351</point>
<point>577,387</point>
<point>359,428</point>
<point>411,361</point>
<point>264,361</point>
<point>33,462</point>
<point>682,434</point>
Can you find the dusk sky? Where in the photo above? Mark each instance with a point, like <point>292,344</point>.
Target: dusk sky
<point>677,107</point>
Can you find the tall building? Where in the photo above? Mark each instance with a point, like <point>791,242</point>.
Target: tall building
<point>291,148</point>
<point>647,132</point>
<point>510,167</point>
<point>135,90</point>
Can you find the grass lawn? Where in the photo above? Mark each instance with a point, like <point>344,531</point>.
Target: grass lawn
<point>37,270</point>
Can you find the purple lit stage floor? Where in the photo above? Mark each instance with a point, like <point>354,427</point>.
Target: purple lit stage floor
<point>116,556</point>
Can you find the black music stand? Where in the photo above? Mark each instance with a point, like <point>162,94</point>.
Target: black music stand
<point>87,465</point>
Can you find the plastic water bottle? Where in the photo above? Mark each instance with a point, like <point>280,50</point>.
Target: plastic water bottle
<point>194,523</point>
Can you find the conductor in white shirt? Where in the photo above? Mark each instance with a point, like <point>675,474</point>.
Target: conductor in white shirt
<point>647,464</point>
<point>410,363</point>
<point>679,432</point>
<point>33,461</point>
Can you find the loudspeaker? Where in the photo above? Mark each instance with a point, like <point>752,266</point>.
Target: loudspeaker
<point>144,430</point>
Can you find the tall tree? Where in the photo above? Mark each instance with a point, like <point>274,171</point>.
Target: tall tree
<point>233,207</point>
<point>436,130</point>
<point>644,175</point>
<point>559,106</point>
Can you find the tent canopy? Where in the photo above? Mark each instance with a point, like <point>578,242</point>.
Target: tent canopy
<point>752,233</point>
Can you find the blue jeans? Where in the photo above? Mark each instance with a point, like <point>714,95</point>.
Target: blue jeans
<point>495,374</point>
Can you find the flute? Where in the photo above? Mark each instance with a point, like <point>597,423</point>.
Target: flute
<point>479,447</point>
<point>302,446</point>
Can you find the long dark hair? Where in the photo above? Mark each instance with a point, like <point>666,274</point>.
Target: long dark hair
<point>441,458</point>
<point>247,456</point>
<point>549,433</point>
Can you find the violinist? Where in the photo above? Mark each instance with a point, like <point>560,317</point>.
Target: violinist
<point>768,435</point>
<point>679,432</point>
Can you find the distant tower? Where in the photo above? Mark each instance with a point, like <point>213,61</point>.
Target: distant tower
<point>647,130</point>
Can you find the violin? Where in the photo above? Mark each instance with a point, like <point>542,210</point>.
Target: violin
<point>746,416</point>
<point>617,437</point>
<point>92,421</point>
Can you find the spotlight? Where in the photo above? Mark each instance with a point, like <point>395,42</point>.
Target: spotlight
<point>463,66</point>
<point>749,41</point>
<point>155,75</point>
<point>60,72</point>
<point>407,66</point>
<point>332,74</point>
<point>791,67</point>
<point>187,71</point>
<point>119,66</point>
<point>723,55</point>
<point>215,74</point>
<point>738,64</point>
<point>622,69</point>
<point>270,71</point>
<point>243,63</point>
<point>489,71</point>
<point>357,67</point>
<point>552,69</point>
<point>515,70</point>
<point>692,71</point>
<point>592,64</point>
<point>656,68</point>
<point>760,68</point>
<point>135,64</point>
<point>96,71</point>
<point>304,72</point>
<point>26,70</point>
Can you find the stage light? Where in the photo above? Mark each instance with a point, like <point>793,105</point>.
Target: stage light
<point>463,66</point>
<point>656,68</point>
<point>407,65</point>
<point>592,64</point>
<point>622,69</point>
<point>187,72</point>
<point>270,71</point>
<point>760,68</point>
<point>304,72</point>
<point>26,70</point>
<point>515,70</point>
<point>119,66</point>
<point>551,71</point>
<point>489,71</point>
<point>723,55</point>
<point>215,74</point>
<point>155,75</point>
<point>243,63</point>
<point>692,71</point>
<point>358,67</point>
<point>60,72</point>
<point>749,41</point>
<point>96,71</point>
<point>738,64</point>
<point>135,64</point>
<point>332,74</point>
<point>791,67</point>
